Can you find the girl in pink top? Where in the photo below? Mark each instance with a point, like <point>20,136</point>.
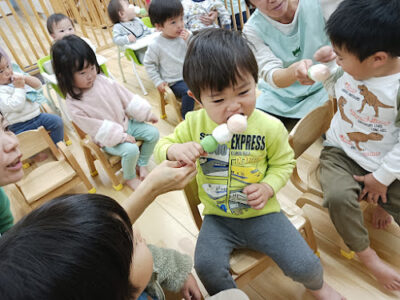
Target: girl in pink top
<point>104,109</point>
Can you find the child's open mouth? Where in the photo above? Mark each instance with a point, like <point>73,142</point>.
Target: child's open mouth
<point>16,164</point>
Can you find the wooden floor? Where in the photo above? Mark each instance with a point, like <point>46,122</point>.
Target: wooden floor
<point>167,222</point>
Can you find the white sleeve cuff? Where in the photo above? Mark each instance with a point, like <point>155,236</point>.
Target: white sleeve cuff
<point>383,176</point>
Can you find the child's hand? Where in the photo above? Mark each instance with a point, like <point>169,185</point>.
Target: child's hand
<point>184,34</point>
<point>325,54</point>
<point>161,87</point>
<point>186,153</point>
<point>19,81</point>
<point>258,194</point>
<point>153,118</point>
<point>210,18</point>
<point>131,38</point>
<point>372,190</point>
<point>190,289</point>
<point>130,139</point>
<point>300,70</point>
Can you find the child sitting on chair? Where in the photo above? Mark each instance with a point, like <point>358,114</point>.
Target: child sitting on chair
<point>197,11</point>
<point>239,181</point>
<point>102,108</point>
<point>127,27</point>
<point>165,54</point>
<point>361,155</point>
<point>20,103</point>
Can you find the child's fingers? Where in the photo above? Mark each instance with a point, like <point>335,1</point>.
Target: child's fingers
<point>250,189</point>
<point>254,195</point>
<point>257,204</point>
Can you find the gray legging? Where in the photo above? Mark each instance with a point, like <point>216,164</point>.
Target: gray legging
<point>272,234</point>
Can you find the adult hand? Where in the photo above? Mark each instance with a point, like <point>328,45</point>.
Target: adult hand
<point>300,69</point>
<point>325,54</point>
<point>190,289</point>
<point>131,38</point>
<point>187,153</point>
<point>258,194</point>
<point>372,190</point>
<point>161,87</point>
<point>169,176</point>
<point>210,18</point>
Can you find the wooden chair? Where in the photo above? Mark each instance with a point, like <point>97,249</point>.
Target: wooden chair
<point>168,97</point>
<point>307,131</point>
<point>110,163</point>
<point>50,179</point>
<point>246,264</point>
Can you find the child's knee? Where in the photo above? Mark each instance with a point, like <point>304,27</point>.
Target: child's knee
<point>130,150</point>
<point>340,198</point>
<point>309,273</point>
<point>153,134</point>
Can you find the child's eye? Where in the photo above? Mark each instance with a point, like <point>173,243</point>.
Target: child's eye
<point>244,92</point>
<point>218,100</point>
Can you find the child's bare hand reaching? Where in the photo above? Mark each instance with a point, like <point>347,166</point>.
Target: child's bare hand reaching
<point>186,153</point>
<point>258,194</point>
<point>19,81</point>
<point>373,189</point>
<point>190,289</point>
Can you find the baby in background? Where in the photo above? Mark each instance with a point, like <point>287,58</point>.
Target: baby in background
<point>128,28</point>
<point>20,100</point>
<point>104,109</point>
<point>200,14</point>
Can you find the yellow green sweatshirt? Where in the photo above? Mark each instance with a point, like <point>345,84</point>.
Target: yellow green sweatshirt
<point>261,154</point>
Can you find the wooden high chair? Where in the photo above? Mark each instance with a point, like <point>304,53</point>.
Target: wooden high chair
<point>50,178</point>
<point>246,264</point>
<point>307,131</point>
<point>92,151</point>
<point>168,97</point>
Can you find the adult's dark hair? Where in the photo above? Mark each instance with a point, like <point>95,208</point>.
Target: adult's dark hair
<point>364,27</point>
<point>69,55</point>
<point>73,247</point>
<point>162,10</point>
<point>249,4</point>
<point>54,19</point>
<point>113,8</point>
<point>215,59</point>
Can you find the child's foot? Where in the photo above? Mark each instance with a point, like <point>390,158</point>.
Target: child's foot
<point>133,183</point>
<point>142,171</point>
<point>380,218</point>
<point>385,274</point>
<point>40,157</point>
<point>326,292</point>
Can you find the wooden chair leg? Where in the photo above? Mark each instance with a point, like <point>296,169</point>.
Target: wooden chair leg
<point>90,161</point>
<point>162,106</point>
<point>117,185</point>
<point>309,236</point>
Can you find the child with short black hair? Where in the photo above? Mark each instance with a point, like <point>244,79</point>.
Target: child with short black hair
<point>165,54</point>
<point>361,157</point>
<point>238,182</point>
<point>128,28</point>
<point>104,109</point>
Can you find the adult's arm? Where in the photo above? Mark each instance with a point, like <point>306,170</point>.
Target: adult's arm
<point>167,176</point>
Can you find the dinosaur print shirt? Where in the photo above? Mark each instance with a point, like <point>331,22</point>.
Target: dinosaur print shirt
<point>364,125</point>
<point>260,154</point>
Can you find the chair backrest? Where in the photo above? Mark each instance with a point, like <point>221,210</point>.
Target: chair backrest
<point>192,197</point>
<point>311,127</point>
<point>42,62</point>
<point>32,142</point>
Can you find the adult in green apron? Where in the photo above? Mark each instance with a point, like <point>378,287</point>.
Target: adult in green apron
<point>10,171</point>
<point>285,35</point>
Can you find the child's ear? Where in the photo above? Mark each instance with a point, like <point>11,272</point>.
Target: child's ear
<point>190,94</point>
<point>379,58</point>
<point>53,36</point>
<point>158,27</point>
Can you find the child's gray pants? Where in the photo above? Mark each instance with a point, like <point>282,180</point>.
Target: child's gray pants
<point>272,234</point>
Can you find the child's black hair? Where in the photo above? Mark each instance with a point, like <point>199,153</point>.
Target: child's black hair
<point>215,59</point>
<point>162,10</point>
<point>73,247</point>
<point>54,19</point>
<point>69,55</point>
<point>364,27</point>
<point>113,8</point>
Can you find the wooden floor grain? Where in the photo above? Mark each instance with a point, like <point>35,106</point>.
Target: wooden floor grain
<point>167,222</point>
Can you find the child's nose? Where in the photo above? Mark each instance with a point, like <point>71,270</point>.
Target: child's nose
<point>234,106</point>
